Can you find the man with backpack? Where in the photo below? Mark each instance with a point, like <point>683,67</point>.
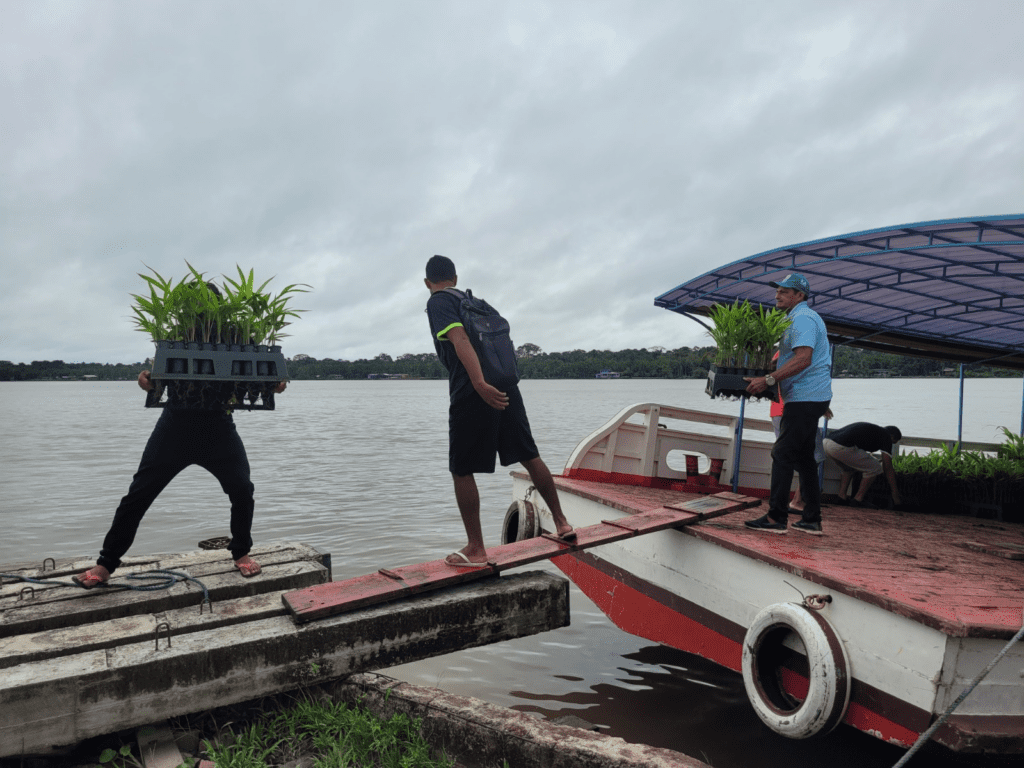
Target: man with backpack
<point>484,420</point>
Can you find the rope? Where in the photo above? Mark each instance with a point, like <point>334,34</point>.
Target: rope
<point>959,700</point>
<point>163,580</point>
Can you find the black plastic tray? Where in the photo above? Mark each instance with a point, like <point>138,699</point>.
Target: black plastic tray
<point>218,362</point>
<point>211,377</point>
<point>732,382</point>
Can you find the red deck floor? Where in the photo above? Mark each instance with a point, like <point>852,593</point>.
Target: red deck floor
<point>962,575</point>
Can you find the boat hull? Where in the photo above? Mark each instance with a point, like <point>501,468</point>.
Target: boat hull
<point>680,589</point>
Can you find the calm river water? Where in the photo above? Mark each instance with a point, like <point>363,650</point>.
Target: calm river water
<point>359,469</point>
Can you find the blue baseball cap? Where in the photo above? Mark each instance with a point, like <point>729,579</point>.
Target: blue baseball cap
<point>795,281</point>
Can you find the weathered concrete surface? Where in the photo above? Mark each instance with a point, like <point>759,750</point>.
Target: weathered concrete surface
<point>56,606</point>
<point>480,734</point>
<point>62,701</point>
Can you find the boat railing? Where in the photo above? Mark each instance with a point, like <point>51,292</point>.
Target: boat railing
<point>651,440</point>
<point>910,444</point>
<point>656,448</point>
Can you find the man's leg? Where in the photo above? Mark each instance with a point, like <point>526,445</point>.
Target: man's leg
<point>794,452</point>
<point>467,497</point>
<point>541,478</point>
<point>161,462</point>
<point>844,483</point>
<point>807,462</point>
<point>862,489</point>
<point>227,461</point>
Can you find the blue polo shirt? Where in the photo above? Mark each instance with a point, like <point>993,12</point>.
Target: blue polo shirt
<point>814,383</point>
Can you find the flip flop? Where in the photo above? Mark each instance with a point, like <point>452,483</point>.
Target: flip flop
<point>88,580</point>
<point>248,570</point>
<point>466,562</point>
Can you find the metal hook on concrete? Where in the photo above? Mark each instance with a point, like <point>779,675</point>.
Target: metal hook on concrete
<point>156,634</point>
<point>30,590</point>
<point>202,606</point>
<point>52,562</point>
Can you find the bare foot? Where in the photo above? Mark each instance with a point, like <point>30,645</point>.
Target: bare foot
<point>566,532</point>
<point>247,566</point>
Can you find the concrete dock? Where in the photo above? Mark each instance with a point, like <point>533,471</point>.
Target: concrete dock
<point>76,664</point>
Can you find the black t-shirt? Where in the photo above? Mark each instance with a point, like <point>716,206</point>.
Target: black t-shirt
<point>861,434</point>
<point>443,314</point>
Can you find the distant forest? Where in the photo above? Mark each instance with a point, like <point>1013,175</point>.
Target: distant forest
<point>534,363</point>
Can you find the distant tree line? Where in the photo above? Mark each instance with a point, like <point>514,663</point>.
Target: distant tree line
<point>534,363</point>
<point>56,370</point>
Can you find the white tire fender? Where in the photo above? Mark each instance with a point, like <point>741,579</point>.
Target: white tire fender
<point>521,522</point>
<point>828,694</point>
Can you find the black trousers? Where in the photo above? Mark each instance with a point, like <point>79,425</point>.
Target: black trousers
<point>794,452</point>
<point>180,439</point>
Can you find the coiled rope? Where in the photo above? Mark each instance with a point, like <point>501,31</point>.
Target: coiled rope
<point>160,578</point>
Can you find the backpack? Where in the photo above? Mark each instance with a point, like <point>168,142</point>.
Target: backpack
<point>488,332</point>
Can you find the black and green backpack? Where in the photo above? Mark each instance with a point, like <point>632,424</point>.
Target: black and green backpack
<point>488,332</point>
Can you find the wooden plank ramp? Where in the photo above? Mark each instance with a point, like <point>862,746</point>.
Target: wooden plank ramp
<point>389,584</point>
<point>75,664</point>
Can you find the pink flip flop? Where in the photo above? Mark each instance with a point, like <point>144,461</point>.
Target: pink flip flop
<point>249,569</point>
<point>88,580</point>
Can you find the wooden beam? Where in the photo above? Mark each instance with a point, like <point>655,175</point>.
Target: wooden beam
<point>324,600</point>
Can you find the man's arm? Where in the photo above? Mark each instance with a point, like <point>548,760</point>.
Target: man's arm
<point>467,356</point>
<point>145,381</point>
<point>890,475</point>
<point>800,360</point>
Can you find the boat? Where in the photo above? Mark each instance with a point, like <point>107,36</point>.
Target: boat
<point>888,622</point>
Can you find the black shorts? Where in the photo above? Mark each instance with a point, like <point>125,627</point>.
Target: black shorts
<point>476,432</point>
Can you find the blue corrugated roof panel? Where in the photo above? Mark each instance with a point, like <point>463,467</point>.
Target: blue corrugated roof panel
<point>950,289</point>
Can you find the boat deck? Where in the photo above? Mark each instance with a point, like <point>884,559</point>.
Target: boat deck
<point>963,576</point>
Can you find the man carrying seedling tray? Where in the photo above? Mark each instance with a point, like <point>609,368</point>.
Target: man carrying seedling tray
<point>183,436</point>
<point>805,385</point>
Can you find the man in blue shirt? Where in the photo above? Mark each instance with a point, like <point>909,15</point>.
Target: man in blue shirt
<point>804,374</point>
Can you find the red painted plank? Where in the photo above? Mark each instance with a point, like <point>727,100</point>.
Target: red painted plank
<point>395,583</point>
<point>375,588</point>
<point>715,506</point>
<point>658,520</point>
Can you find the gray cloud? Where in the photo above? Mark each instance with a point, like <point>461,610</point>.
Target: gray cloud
<point>574,159</point>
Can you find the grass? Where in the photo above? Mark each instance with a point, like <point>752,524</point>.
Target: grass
<point>322,733</point>
<point>335,734</point>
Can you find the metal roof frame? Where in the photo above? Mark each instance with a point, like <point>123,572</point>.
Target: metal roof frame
<point>951,289</point>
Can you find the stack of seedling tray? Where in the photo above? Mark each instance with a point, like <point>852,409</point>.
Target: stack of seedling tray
<point>732,382</point>
<point>746,337</point>
<point>206,376</point>
<point>216,348</point>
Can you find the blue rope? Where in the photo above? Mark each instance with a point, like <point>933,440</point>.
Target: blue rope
<point>163,580</point>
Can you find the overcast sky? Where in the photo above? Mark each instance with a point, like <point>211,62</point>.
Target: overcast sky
<point>575,159</point>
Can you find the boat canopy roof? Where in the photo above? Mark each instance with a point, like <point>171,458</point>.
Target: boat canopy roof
<point>950,290</point>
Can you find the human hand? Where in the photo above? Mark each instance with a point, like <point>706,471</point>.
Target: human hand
<point>281,385</point>
<point>494,397</point>
<point>757,384</point>
<point>146,382</point>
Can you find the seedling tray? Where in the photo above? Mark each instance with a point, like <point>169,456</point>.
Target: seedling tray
<point>205,376</point>
<point>732,382</point>
<point>218,362</point>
